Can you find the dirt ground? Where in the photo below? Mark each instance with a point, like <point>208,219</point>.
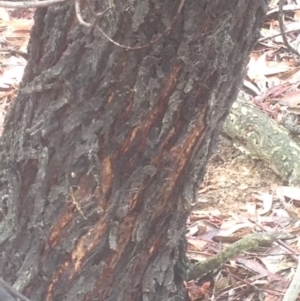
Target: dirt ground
<point>232,178</point>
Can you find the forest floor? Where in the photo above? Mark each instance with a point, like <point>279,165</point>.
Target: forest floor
<point>239,195</point>
<point>233,178</point>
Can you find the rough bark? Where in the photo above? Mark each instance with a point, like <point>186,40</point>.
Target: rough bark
<point>264,139</point>
<point>104,148</point>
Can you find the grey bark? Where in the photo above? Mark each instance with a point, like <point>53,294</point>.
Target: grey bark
<point>104,149</point>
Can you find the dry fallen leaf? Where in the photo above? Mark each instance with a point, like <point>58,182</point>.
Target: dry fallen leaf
<point>4,15</point>
<point>289,191</point>
<point>196,291</point>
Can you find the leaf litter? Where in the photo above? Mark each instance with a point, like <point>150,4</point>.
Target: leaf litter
<point>240,195</point>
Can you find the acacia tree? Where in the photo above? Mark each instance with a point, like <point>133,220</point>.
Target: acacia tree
<point>105,146</point>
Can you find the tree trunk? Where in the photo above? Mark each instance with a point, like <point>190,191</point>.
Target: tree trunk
<point>104,149</point>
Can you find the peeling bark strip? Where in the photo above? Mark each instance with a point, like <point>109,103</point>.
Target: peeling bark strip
<point>104,149</point>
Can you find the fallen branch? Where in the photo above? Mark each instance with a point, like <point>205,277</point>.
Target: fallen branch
<point>250,242</point>
<point>264,139</point>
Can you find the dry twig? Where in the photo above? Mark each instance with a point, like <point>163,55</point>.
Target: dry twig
<point>8,293</point>
<point>278,34</point>
<point>282,29</point>
<point>100,15</point>
<point>30,4</point>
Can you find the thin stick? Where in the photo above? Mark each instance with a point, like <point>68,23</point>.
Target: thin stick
<point>30,4</point>
<point>100,15</point>
<point>8,290</point>
<point>290,7</point>
<point>282,30</point>
<point>278,34</point>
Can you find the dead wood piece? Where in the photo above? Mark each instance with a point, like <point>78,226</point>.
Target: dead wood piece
<point>249,127</point>
<point>250,242</point>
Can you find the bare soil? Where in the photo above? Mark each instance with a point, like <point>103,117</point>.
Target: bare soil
<point>231,179</point>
